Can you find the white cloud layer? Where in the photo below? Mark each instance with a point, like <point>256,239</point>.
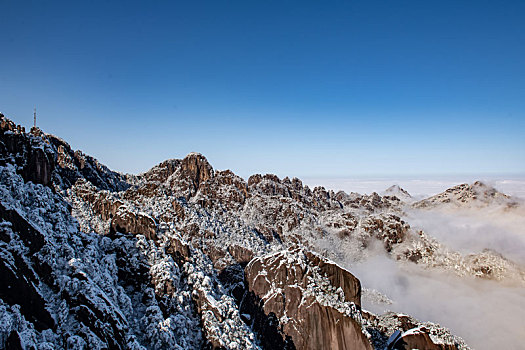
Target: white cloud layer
<point>487,314</point>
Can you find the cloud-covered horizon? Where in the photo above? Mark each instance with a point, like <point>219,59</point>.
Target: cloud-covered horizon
<point>418,187</point>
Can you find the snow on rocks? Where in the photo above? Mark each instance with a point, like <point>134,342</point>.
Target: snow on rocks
<point>299,287</point>
<point>476,195</point>
<point>157,260</point>
<point>399,331</point>
<point>76,274</point>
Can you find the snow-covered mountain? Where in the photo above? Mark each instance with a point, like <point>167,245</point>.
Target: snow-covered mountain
<point>396,190</point>
<point>476,195</point>
<point>185,256</point>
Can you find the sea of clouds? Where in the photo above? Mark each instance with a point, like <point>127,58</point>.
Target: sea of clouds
<point>487,314</point>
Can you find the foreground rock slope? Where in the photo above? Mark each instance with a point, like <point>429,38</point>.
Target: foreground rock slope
<point>184,256</point>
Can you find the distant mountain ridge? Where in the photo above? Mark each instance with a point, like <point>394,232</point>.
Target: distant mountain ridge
<point>477,194</point>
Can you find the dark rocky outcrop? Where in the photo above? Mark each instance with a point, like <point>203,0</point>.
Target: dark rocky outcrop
<point>31,236</point>
<point>34,159</point>
<point>416,338</point>
<point>13,342</point>
<point>96,312</point>
<point>39,167</point>
<point>178,248</point>
<point>240,254</point>
<point>20,284</point>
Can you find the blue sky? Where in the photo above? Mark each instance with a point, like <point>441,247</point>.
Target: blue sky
<point>332,88</point>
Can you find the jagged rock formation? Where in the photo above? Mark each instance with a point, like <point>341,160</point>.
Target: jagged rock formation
<point>185,256</point>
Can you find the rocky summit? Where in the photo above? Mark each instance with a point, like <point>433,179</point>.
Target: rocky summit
<point>185,256</point>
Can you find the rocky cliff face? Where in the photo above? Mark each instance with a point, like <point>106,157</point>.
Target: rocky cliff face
<point>185,257</point>
<point>317,303</point>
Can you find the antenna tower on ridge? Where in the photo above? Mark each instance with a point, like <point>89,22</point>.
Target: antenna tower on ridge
<point>34,117</point>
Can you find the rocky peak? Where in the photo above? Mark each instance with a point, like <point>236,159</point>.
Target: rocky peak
<point>197,168</point>
<point>478,194</point>
<point>9,125</point>
<point>396,190</point>
<point>161,172</point>
<point>193,172</point>
<point>31,154</point>
<point>483,189</point>
<point>48,160</point>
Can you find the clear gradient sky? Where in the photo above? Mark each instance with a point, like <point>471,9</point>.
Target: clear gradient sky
<point>327,88</point>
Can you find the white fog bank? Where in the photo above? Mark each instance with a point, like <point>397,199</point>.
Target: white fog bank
<point>484,313</point>
<point>473,230</point>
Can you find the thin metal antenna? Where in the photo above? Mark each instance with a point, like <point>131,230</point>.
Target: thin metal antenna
<point>34,117</point>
